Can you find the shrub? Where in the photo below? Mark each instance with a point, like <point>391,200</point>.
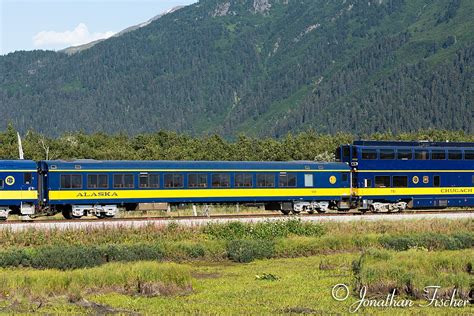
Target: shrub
<point>246,250</point>
<point>430,241</point>
<point>13,258</point>
<point>73,257</point>
<point>63,258</point>
<point>263,230</point>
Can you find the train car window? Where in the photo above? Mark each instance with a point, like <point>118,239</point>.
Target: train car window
<point>71,181</point>
<point>128,180</point>
<point>308,180</point>
<point>436,181</point>
<point>287,180</point>
<point>65,181</point>
<point>454,154</point>
<point>346,151</point>
<point>265,180</point>
<point>95,181</point>
<point>173,180</point>
<point>400,181</point>
<point>197,180</point>
<point>1,183</point>
<point>369,154</point>
<point>422,155</point>
<point>151,180</point>
<point>382,181</point>
<point>386,154</point>
<point>243,180</point>
<point>27,177</point>
<point>154,180</point>
<point>404,154</point>
<point>469,155</point>
<point>123,180</point>
<point>143,180</point>
<point>345,177</point>
<point>220,180</point>
<point>438,154</point>
<point>354,152</point>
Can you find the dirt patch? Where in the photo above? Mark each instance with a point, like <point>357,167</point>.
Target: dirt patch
<point>101,309</point>
<point>152,289</point>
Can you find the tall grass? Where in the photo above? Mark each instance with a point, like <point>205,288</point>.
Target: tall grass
<point>121,277</point>
<point>236,230</point>
<point>409,272</point>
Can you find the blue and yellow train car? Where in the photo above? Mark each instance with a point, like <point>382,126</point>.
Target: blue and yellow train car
<point>85,187</point>
<point>390,176</point>
<point>18,187</point>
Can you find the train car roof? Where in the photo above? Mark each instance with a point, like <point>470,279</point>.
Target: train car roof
<point>168,164</point>
<point>428,144</point>
<point>17,165</point>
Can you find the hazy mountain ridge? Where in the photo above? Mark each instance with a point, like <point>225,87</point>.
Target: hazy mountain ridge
<point>261,67</point>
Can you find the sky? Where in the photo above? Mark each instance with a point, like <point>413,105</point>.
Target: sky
<point>57,24</point>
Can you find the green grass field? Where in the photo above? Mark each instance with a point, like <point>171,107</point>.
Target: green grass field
<point>266,268</point>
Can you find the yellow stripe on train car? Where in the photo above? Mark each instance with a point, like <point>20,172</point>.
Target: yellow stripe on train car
<point>18,195</point>
<point>190,193</point>
<point>415,191</point>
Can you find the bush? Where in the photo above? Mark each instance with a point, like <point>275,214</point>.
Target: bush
<point>64,258</point>
<point>430,241</point>
<point>13,258</point>
<point>246,250</point>
<point>73,257</point>
<point>133,252</point>
<point>263,230</point>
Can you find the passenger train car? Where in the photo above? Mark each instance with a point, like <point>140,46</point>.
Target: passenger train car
<point>81,187</point>
<point>392,176</point>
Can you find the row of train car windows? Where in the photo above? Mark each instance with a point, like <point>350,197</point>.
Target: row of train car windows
<point>418,154</point>
<point>176,180</point>
<point>395,182</point>
<point>27,179</point>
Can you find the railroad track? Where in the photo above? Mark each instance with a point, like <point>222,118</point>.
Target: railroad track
<point>231,217</point>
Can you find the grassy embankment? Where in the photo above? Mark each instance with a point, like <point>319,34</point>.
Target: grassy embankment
<point>200,269</point>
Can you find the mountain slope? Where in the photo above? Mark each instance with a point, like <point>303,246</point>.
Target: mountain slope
<point>76,49</point>
<point>262,67</point>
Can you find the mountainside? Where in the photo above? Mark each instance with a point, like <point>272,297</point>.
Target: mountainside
<point>76,49</point>
<point>261,67</point>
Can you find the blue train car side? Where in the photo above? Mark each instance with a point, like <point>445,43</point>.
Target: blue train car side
<point>18,187</point>
<point>394,175</point>
<point>85,186</point>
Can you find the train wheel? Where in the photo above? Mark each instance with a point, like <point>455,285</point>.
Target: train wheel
<point>285,212</point>
<point>67,213</point>
<point>295,212</point>
<point>310,211</point>
<point>320,211</point>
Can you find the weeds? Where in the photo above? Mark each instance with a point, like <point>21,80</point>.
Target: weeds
<point>263,230</point>
<point>244,250</point>
<point>409,272</point>
<point>144,278</point>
